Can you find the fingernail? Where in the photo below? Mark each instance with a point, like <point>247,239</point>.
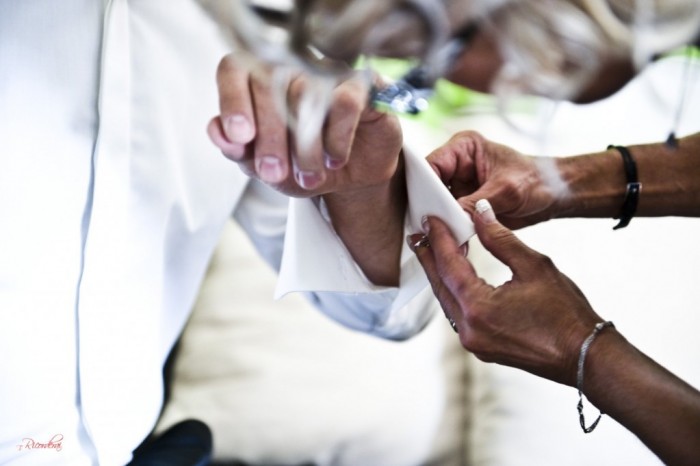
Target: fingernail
<point>238,129</point>
<point>409,241</point>
<point>485,211</point>
<point>464,249</point>
<point>424,223</point>
<point>413,240</point>
<point>308,179</point>
<point>333,164</point>
<point>270,169</point>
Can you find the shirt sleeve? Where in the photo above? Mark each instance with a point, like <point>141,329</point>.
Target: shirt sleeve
<point>316,262</point>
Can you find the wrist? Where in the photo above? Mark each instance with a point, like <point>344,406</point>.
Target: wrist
<point>378,194</point>
<point>605,357</point>
<point>370,222</point>
<point>596,185</point>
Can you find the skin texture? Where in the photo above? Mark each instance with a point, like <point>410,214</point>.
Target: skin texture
<point>355,166</point>
<point>523,193</point>
<point>356,159</point>
<point>355,163</point>
<point>538,320</point>
<point>496,323</point>
<point>477,168</point>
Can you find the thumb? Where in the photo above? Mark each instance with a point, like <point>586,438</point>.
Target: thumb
<point>501,242</point>
<point>486,191</point>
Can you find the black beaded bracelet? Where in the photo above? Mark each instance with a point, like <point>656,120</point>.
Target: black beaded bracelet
<point>629,206</point>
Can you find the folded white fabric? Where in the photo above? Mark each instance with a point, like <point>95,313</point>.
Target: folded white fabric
<point>428,196</point>
<point>392,313</point>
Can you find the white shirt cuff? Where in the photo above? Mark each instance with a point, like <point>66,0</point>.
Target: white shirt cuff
<point>316,260</point>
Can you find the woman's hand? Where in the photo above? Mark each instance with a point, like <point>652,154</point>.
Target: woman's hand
<point>535,322</point>
<point>523,190</point>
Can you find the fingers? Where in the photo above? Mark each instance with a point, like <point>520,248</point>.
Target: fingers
<point>310,109</point>
<point>349,103</point>
<point>448,302</point>
<point>271,151</point>
<point>456,162</point>
<point>504,245</point>
<point>452,277</point>
<point>475,168</point>
<point>248,109</point>
<point>237,122</point>
<point>464,164</point>
<point>216,133</point>
<point>326,126</point>
<point>305,150</point>
<point>252,128</point>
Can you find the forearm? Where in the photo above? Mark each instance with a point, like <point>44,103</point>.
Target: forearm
<point>661,409</point>
<point>670,181</point>
<point>370,223</point>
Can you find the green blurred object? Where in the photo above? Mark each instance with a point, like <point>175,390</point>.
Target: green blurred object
<point>447,99</point>
<point>688,51</point>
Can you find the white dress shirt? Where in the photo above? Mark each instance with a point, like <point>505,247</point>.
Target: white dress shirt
<point>112,199</point>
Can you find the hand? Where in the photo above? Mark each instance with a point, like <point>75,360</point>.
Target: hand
<point>358,147</point>
<point>523,190</point>
<point>537,321</point>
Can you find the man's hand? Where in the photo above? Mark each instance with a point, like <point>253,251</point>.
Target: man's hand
<point>354,163</point>
<point>357,147</point>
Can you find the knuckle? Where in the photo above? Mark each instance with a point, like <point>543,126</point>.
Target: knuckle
<point>460,287</point>
<point>509,188</point>
<point>226,65</point>
<point>473,344</point>
<point>503,236</point>
<point>347,102</point>
<point>474,318</point>
<point>467,341</point>
<point>467,204</point>
<point>467,140</point>
<point>544,262</point>
<point>477,346</point>
<point>467,135</point>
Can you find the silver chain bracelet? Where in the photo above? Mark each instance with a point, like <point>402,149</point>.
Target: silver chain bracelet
<point>579,376</point>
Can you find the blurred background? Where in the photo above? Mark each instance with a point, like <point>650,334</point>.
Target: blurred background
<point>280,384</point>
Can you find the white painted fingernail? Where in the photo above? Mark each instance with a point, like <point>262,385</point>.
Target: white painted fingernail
<point>485,211</point>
